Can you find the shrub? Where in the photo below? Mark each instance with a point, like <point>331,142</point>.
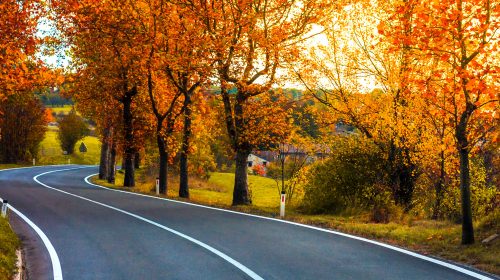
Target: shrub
<point>347,178</point>
<point>259,169</point>
<point>72,128</point>
<point>484,196</point>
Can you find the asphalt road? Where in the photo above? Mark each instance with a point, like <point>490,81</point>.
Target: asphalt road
<point>103,234</point>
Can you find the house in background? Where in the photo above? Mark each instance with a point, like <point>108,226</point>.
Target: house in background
<point>254,160</point>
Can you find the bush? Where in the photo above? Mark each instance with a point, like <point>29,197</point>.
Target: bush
<point>274,170</point>
<point>347,179</point>
<point>259,169</point>
<point>72,128</point>
<point>484,196</point>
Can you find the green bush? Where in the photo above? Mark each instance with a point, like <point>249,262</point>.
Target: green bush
<point>484,196</point>
<point>72,128</point>
<point>352,176</point>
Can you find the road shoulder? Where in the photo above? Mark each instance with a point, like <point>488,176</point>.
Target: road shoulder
<point>37,261</point>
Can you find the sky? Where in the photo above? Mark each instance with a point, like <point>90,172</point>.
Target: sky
<point>58,59</point>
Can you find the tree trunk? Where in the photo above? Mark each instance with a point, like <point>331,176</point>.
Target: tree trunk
<point>401,176</point>
<point>240,193</point>
<point>103,163</point>
<point>184,186</point>
<point>129,179</point>
<point>137,160</point>
<point>467,226</point>
<point>111,165</point>
<point>163,164</point>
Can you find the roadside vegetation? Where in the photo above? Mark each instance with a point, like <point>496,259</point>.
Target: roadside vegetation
<point>9,243</point>
<point>11,165</point>
<point>52,153</point>
<point>438,238</point>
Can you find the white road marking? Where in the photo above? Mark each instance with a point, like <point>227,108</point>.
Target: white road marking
<point>407,252</point>
<point>232,261</point>
<point>27,167</point>
<point>54,258</point>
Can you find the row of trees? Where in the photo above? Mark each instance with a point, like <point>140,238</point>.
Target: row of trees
<point>435,66</point>
<point>22,116</point>
<point>141,64</point>
<point>145,69</point>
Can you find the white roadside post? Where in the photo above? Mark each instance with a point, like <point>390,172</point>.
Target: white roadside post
<point>157,186</point>
<point>282,204</point>
<point>4,208</point>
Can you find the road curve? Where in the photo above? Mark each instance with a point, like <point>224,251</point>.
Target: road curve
<point>103,234</point>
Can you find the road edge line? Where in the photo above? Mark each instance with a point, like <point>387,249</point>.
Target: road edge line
<point>401,250</point>
<point>209,248</point>
<point>36,166</point>
<point>54,258</point>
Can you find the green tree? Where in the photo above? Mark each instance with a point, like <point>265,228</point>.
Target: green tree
<point>72,128</point>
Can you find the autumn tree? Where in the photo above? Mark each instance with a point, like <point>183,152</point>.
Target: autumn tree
<point>249,41</point>
<point>22,128</point>
<point>434,67</point>
<point>365,82</point>
<point>104,44</point>
<point>463,36</point>
<point>18,44</point>
<point>187,69</point>
<point>175,68</point>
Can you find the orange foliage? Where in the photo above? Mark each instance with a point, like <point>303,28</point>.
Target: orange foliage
<point>48,115</point>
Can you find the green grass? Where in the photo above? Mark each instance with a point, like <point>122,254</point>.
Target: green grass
<point>51,153</point>
<point>263,190</point>
<point>65,109</point>
<point>9,165</point>
<point>8,246</point>
<point>437,238</point>
<point>217,191</point>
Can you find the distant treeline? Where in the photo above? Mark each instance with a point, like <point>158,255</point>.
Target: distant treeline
<point>53,98</point>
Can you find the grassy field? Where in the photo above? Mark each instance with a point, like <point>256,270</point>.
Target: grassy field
<point>8,165</point>
<point>51,153</point>
<point>437,238</point>
<point>217,191</point>
<point>65,109</point>
<point>8,246</point>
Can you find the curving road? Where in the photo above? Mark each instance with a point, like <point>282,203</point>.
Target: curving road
<point>98,233</point>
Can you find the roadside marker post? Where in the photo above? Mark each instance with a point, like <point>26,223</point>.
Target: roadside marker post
<point>4,208</point>
<point>282,204</point>
<point>157,186</point>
